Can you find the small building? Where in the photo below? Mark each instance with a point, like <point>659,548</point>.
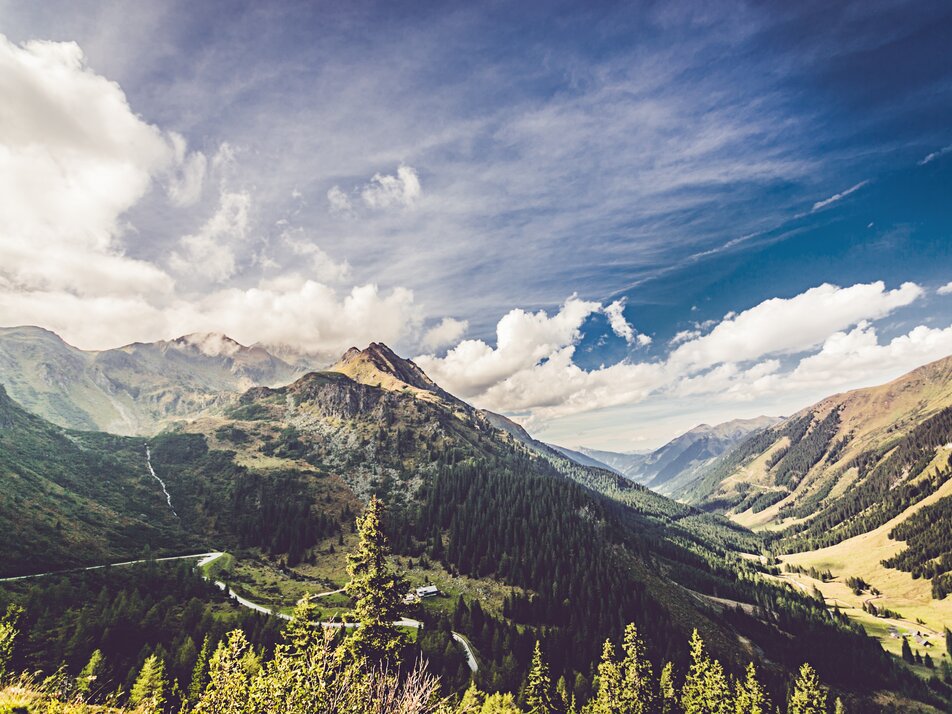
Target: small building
<point>427,591</point>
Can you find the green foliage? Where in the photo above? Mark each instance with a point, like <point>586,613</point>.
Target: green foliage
<point>706,689</point>
<point>749,695</point>
<point>228,686</point>
<point>199,678</point>
<point>377,591</point>
<point>808,696</point>
<point>667,692</point>
<point>8,633</point>
<point>91,674</point>
<point>148,694</point>
<point>539,685</point>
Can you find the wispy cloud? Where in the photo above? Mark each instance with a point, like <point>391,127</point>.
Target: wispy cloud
<point>929,158</point>
<point>839,196</point>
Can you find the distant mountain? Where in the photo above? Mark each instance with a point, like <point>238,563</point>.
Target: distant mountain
<point>853,474</point>
<point>132,389</point>
<point>282,470</point>
<point>583,459</point>
<point>666,469</point>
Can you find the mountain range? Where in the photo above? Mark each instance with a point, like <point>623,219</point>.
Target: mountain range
<point>229,448</point>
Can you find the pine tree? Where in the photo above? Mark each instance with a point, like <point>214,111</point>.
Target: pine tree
<point>199,673</point>
<point>638,688</point>
<point>90,674</point>
<point>907,651</point>
<point>8,633</point>
<point>149,691</point>
<point>807,697</point>
<point>227,690</point>
<point>377,591</point>
<point>706,689</point>
<point>608,684</point>
<point>539,685</point>
<point>749,696</point>
<point>839,707</point>
<point>666,690</point>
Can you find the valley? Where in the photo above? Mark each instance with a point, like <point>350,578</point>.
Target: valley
<point>521,539</point>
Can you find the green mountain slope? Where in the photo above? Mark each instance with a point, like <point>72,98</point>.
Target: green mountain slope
<point>582,550</point>
<point>73,498</point>
<point>132,389</point>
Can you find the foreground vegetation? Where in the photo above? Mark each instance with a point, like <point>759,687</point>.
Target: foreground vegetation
<point>373,668</point>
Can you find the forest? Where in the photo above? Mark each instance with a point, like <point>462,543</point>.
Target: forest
<point>243,664</point>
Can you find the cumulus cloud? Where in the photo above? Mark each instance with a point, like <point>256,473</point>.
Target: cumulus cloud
<point>322,266</point>
<point>339,201</point>
<point>73,158</point>
<point>385,191</point>
<point>838,196</point>
<point>210,251</point>
<point>616,318</point>
<point>523,341</point>
<point>788,325</point>
<point>945,289</point>
<point>446,332</point>
<point>532,370</point>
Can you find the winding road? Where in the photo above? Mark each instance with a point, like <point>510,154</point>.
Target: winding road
<point>206,558</point>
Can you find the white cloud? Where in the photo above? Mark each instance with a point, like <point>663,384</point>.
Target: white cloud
<point>523,340</point>
<point>644,340</point>
<point>339,201</point>
<point>616,318</point>
<point>929,158</point>
<point>838,196</point>
<point>788,325</point>
<point>186,183</point>
<point>531,368</point>
<point>210,252</point>
<point>945,289</point>
<point>73,158</point>
<point>446,332</point>
<point>385,191</point>
<point>323,268</point>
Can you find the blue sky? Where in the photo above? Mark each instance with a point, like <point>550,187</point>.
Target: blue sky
<point>311,175</point>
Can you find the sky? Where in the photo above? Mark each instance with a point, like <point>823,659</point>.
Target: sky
<point>611,221</point>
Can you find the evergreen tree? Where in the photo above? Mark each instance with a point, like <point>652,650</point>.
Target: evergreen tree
<point>539,685</point>
<point>608,684</point>
<point>90,674</point>
<point>8,633</point>
<point>667,692</point>
<point>749,696</point>
<point>948,641</point>
<point>199,673</point>
<point>706,689</point>
<point>377,591</point>
<point>149,691</point>
<point>907,651</point>
<point>839,707</point>
<point>638,688</point>
<point>227,690</point>
<point>807,697</point>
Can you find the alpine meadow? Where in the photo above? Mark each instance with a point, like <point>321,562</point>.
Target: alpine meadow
<point>488,358</point>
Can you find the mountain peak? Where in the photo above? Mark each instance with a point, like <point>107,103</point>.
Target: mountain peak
<point>210,344</point>
<point>378,365</point>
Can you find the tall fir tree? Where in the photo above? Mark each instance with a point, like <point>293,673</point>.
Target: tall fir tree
<point>90,677</point>
<point>638,687</point>
<point>749,695</point>
<point>199,673</point>
<point>150,690</point>
<point>377,590</point>
<point>839,707</point>
<point>608,684</point>
<point>808,696</point>
<point>8,633</point>
<point>706,689</point>
<point>227,690</point>
<point>539,685</point>
<point>667,692</point>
